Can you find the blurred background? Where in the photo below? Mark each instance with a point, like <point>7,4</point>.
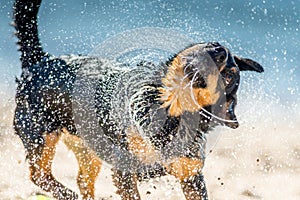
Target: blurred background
<point>259,160</point>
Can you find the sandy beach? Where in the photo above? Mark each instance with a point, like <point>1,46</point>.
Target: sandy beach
<point>259,160</point>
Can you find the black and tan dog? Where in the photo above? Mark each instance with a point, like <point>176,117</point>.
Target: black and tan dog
<point>163,107</point>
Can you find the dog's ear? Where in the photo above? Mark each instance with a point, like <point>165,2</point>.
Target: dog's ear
<point>246,64</point>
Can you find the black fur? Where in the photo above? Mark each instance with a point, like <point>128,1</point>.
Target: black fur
<point>27,31</point>
<point>45,95</point>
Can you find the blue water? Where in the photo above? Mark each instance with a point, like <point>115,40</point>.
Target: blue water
<point>267,31</point>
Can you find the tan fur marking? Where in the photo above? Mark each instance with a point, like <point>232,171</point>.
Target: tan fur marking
<point>40,169</point>
<point>89,164</point>
<point>141,148</point>
<point>209,95</point>
<point>177,93</point>
<point>233,69</point>
<point>48,152</point>
<point>184,167</point>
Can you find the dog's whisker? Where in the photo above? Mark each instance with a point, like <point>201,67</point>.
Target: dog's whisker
<point>191,89</point>
<point>186,67</point>
<point>187,85</point>
<point>185,77</point>
<point>216,117</point>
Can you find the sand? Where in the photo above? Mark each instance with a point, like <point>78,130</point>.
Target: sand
<point>259,160</point>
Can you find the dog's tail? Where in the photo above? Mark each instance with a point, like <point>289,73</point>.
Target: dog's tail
<point>25,23</point>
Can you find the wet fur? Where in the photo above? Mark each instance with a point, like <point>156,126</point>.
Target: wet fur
<point>178,96</point>
<point>43,115</point>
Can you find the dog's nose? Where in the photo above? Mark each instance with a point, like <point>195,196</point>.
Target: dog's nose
<point>220,54</point>
<point>213,44</point>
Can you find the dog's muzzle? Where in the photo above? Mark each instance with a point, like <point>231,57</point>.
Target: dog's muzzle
<point>230,115</point>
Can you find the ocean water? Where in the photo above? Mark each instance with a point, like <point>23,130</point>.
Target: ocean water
<point>268,103</point>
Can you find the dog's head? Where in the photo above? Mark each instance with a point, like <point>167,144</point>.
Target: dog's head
<point>197,75</point>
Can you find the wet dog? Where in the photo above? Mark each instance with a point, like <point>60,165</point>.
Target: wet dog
<point>152,126</point>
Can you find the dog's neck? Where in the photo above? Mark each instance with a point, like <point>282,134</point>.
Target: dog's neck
<point>176,92</point>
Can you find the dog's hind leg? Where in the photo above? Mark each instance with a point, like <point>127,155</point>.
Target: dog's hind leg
<point>89,164</point>
<point>40,164</point>
<point>126,184</point>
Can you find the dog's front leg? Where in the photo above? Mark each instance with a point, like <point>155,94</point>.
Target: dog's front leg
<point>194,187</point>
<point>126,183</point>
<point>188,171</point>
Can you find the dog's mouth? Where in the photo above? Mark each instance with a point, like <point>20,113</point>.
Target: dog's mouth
<point>230,75</point>
<point>230,114</point>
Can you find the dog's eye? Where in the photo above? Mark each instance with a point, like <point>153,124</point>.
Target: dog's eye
<point>228,79</point>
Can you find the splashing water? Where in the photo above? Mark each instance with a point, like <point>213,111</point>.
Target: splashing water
<point>268,107</point>
<point>116,86</point>
<point>142,44</point>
